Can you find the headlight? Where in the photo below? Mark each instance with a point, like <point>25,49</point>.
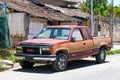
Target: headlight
<point>18,49</point>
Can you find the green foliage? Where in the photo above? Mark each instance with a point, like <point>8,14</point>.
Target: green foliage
<point>8,55</point>
<point>11,57</point>
<point>100,7</point>
<point>112,52</point>
<point>117,11</point>
<point>4,54</point>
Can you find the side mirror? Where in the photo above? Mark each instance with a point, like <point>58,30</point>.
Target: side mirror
<point>73,39</point>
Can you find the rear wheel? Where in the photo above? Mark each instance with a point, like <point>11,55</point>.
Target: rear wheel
<point>25,64</point>
<point>101,56</point>
<point>60,64</point>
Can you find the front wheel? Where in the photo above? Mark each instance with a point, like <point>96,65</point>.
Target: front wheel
<point>60,64</point>
<point>101,56</point>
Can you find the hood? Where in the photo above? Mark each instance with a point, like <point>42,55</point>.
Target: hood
<point>43,41</point>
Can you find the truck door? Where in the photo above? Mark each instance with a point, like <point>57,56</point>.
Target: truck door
<point>82,46</point>
<point>77,45</point>
<point>88,42</point>
<point>77,35</point>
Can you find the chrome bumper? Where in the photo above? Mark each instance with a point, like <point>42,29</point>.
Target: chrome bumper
<point>38,57</point>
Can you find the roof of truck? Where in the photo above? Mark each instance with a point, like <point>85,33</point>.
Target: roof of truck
<point>66,26</point>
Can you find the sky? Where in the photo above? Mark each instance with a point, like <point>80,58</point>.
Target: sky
<point>116,2</point>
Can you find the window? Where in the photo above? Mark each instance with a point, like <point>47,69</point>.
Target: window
<point>55,33</point>
<point>85,32</point>
<point>77,34</point>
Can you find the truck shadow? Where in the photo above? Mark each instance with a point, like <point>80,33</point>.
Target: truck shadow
<point>82,64</point>
<point>47,69</point>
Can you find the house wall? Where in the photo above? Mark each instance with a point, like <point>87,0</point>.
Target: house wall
<point>104,29</point>
<point>116,29</point>
<point>36,25</point>
<point>17,27</point>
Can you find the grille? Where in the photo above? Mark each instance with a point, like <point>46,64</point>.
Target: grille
<point>31,50</point>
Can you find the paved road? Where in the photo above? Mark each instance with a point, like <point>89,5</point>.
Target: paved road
<point>81,70</point>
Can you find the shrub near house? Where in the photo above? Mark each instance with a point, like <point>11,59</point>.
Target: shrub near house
<point>60,44</point>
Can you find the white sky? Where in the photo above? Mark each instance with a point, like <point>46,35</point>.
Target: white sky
<point>116,2</point>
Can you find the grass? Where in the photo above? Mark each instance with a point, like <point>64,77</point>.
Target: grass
<point>113,52</point>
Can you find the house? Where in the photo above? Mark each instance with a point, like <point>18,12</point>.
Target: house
<point>67,7</point>
<point>26,19</point>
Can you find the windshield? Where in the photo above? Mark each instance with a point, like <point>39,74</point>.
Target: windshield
<point>55,33</point>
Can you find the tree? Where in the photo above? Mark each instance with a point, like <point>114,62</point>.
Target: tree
<point>99,6</point>
<point>117,11</point>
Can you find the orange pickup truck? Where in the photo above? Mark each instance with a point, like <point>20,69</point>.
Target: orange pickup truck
<point>60,44</point>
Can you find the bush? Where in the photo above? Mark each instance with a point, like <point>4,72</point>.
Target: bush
<point>4,54</point>
<point>8,55</point>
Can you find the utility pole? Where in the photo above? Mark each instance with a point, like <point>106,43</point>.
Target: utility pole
<point>91,18</point>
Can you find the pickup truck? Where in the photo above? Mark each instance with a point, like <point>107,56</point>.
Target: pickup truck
<point>60,44</point>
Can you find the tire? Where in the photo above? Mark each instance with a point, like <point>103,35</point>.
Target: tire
<point>60,64</point>
<point>25,64</point>
<point>101,56</point>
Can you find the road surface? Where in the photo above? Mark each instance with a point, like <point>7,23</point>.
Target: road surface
<point>79,70</point>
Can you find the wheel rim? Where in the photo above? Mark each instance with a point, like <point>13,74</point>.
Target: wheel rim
<point>61,63</point>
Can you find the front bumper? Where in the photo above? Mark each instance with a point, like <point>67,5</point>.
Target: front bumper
<point>37,57</point>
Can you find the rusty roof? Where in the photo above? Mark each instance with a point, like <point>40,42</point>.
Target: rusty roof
<point>46,11</point>
<point>71,12</point>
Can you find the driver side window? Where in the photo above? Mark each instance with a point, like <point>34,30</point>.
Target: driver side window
<point>77,34</point>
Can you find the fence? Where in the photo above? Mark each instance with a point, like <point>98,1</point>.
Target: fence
<point>4,30</point>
